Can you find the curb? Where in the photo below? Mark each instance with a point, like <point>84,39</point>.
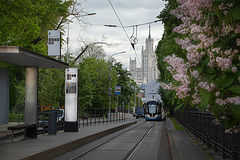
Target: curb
<point>174,153</point>
<point>59,150</point>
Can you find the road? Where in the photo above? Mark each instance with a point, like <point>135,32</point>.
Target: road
<point>145,140</point>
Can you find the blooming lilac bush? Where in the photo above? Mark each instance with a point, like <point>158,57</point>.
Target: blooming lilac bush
<point>207,75</point>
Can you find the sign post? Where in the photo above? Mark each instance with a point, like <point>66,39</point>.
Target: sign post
<point>54,43</point>
<point>117,90</point>
<point>71,96</point>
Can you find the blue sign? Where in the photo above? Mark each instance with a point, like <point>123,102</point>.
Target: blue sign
<point>117,90</point>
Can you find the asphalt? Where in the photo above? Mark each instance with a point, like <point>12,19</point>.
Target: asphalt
<point>182,146</point>
<point>46,146</point>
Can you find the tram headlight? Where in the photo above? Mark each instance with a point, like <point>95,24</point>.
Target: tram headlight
<point>147,115</point>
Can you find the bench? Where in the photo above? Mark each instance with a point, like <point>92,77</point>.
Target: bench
<point>30,130</point>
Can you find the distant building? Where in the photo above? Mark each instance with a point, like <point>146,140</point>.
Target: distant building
<point>148,70</point>
<point>150,91</point>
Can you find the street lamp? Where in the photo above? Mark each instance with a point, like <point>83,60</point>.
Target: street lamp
<point>139,97</point>
<point>110,88</point>
<point>135,98</point>
<point>89,14</point>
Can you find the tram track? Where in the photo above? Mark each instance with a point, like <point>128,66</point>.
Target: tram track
<point>78,156</point>
<point>113,144</point>
<point>132,152</point>
<point>100,144</point>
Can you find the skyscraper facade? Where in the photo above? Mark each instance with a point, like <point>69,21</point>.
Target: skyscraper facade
<point>148,70</point>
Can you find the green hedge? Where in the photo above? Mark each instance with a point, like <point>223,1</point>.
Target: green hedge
<point>16,117</point>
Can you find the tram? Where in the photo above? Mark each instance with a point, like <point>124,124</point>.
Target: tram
<point>154,111</point>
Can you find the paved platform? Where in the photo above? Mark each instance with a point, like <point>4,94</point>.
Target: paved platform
<point>5,133</point>
<point>183,147</point>
<point>47,146</point>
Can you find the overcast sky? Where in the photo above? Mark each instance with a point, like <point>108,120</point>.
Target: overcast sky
<point>130,12</point>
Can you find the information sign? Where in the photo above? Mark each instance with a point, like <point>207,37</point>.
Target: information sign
<point>54,43</point>
<point>117,90</point>
<point>71,94</point>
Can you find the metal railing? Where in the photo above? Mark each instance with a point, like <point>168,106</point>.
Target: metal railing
<point>202,125</point>
<point>42,125</point>
<point>94,116</point>
<point>90,116</point>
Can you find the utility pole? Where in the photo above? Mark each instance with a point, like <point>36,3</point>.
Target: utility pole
<point>68,44</point>
<point>109,91</point>
<point>68,38</point>
<point>110,88</point>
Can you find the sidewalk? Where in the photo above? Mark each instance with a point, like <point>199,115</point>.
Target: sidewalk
<point>5,133</point>
<point>48,146</point>
<point>183,147</point>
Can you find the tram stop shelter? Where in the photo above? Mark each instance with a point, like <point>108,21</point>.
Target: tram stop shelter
<point>32,61</point>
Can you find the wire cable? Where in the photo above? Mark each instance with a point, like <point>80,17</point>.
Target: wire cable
<point>124,30</point>
<point>128,26</point>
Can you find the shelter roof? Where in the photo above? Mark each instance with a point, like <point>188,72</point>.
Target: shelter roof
<point>23,57</point>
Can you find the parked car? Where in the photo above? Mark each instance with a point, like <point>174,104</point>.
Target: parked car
<point>139,112</point>
<point>42,126</point>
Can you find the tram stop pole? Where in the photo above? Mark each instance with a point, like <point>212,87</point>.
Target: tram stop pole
<point>71,97</point>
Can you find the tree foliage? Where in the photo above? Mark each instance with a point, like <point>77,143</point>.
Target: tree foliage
<point>93,83</point>
<point>204,71</point>
<point>16,87</point>
<point>167,46</point>
<point>126,83</point>
<point>25,23</point>
<point>90,50</point>
<point>51,87</point>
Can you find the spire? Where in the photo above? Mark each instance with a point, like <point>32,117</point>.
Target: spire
<point>149,35</point>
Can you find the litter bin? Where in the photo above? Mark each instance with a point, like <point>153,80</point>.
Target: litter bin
<point>52,122</point>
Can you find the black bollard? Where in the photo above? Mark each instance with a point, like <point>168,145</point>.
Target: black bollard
<point>52,122</point>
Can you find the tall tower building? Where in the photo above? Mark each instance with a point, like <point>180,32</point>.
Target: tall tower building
<point>148,70</point>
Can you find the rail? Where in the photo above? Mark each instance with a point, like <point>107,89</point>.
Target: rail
<point>88,117</point>
<point>201,124</point>
<point>94,116</point>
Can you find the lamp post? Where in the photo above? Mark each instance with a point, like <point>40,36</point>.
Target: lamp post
<point>89,14</point>
<point>141,91</point>
<point>135,98</point>
<point>110,88</point>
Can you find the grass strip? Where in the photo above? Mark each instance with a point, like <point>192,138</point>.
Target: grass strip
<point>176,124</point>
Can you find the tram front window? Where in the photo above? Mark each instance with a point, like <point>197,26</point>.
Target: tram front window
<point>152,108</point>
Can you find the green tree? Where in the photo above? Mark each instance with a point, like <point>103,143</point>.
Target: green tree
<point>126,83</point>
<point>167,46</point>
<point>16,87</point>
<point>51,87</point>
<point>93,83</point>
<point>206,71</point>
<point>25,23</point>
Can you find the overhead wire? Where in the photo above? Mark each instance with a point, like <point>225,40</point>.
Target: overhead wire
<point>124,30</point>
<point>128,26</point>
